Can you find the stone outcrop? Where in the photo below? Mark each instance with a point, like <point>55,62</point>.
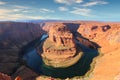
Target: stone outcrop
<point>60,42</point>
<point>87,43</point>
<point>60,45</point>
<point>4,77</point>
<point>103,34</point>
<point>60,35</point>
<point>9,60</point>
<point>25,73</point>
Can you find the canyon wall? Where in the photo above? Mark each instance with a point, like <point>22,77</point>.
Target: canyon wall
<point>18,34</point>
<point>13,37</point>
<point>104,34</point>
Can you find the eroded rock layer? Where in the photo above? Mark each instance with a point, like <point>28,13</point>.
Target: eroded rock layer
<point>4,77</point>
<point>60,46</point>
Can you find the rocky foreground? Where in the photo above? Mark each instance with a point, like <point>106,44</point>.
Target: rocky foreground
<point>14,36</point>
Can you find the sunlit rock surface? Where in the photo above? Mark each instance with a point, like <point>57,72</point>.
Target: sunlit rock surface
<point>60,47</point>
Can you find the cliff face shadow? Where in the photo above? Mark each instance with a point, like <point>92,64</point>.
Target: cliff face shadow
<point>30,57</point>
<point>73,27</point>
<point>85,41</point>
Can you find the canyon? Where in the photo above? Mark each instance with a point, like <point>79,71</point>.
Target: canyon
<point>14,36</point>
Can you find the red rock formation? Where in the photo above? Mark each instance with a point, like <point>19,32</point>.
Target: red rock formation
<point>101,33</point>
<point>45,78</point>
<point>62,42</point>
<point>4,77</point>
<point>60,35</point>
<point>60,45</point>
<point>87,43</point>
<point>18,78</point>
<point>24,73</point>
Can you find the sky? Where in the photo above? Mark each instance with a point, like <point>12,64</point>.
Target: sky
<point>95,10</point>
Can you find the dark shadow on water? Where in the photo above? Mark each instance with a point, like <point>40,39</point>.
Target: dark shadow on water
<point>34,61</point>
<point>73,27</point>
<point>78,69</point>
<point>29,55</point>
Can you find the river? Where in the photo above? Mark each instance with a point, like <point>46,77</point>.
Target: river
<point>34,61</point>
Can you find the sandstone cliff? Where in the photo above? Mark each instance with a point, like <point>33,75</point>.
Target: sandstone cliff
<point>102,33</point>
<point>60,46</point>
<point>107,35</point>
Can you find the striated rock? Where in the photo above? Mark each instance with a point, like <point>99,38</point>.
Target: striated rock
<point>9,60</point>
<point>87,43</point>
<point>45,78</point>
<point>24,73</point>
<point>60,35</point>
<point>62,42</point>
<point>18,78</point>
<point>102,34</point>
<point>4,77</point>
<point>17,34</point>
<point>107,35</point>
<point>13,36</point>
<point>60,46</point>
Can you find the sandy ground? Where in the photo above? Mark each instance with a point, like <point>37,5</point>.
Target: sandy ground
<point>108,66</point>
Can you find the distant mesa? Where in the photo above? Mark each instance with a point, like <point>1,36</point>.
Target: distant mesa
<point>59,50</point>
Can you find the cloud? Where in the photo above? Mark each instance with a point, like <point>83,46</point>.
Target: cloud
<point>14,9</point>
<point>20,9</point>
<point>63,9</point>
<point>92,3</point>
<point>3,3</point>
<point>44,10</point>
<point>19,17</point>
<point>68,2</point>
<point>16,14</point>
<point>78,1</point>
<point>81,11</point>
<point>4,11</point>
<point>7,14</point>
